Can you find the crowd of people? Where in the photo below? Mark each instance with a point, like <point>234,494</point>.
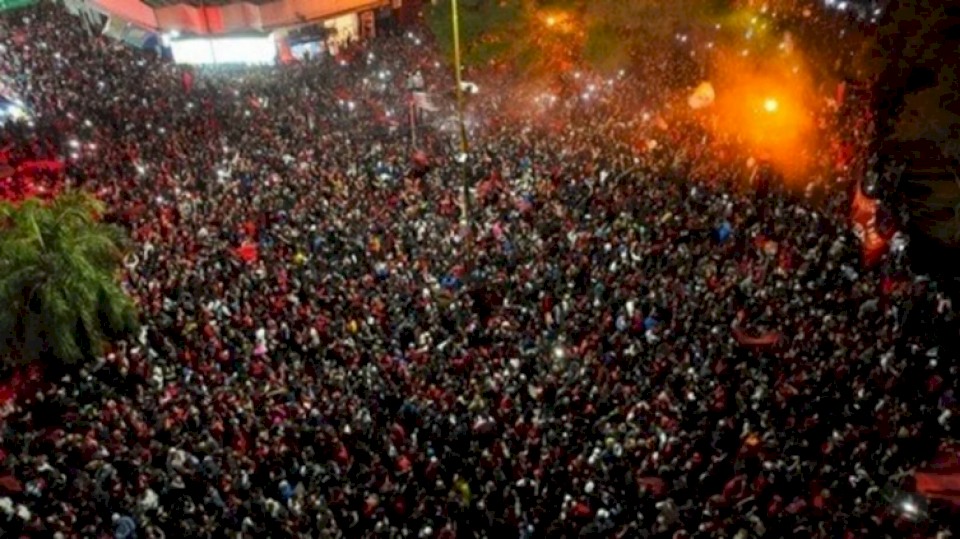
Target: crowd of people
<point>617,348</point>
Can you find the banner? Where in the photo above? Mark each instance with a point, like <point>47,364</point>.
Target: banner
<point>864,216</point>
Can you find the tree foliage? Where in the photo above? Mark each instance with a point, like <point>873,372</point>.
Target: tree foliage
<point>481,23</point>
<point>61,300</point>
<point>595,33</point>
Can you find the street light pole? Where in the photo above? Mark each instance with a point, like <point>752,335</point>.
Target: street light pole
<point>464,147</point>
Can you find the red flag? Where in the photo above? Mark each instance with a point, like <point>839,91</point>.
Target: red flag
<point>8,394</point>
<point>187,80</point>
<point>941,480</point>
<point>864,216</point>
<point>10,485</point>
<point>248,252</point>
<point>654,485</point>
<point>48,165</point>
<point>768,339</point>
<point>944,486</point>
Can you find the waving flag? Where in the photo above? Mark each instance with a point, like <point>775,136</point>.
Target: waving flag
<point>766,340</point>
<point>941,480</point>
<point>864,217</point>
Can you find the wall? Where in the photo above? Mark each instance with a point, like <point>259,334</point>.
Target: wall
<point>134,11</point>
<point>287,12</point>
<point>234,17</point>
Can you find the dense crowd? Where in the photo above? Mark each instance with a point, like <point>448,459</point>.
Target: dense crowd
<point>619,348</point>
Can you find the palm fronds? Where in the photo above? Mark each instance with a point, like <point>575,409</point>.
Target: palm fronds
<point>59,298</point>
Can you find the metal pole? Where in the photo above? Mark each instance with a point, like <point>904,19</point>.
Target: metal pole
<point>413,124</point>
<point>464,147</point>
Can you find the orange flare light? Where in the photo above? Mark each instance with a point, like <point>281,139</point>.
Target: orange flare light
<point>765,107</point>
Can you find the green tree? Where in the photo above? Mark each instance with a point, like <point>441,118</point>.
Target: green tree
<point>482,25</point>
<point>59,290</point>
<point>539,34</point>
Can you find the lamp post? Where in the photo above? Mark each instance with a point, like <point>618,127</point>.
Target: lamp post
<point>464,147</point>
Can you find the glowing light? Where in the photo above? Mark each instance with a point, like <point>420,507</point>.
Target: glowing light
<point>551,20</point>
<point>763,107</point>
